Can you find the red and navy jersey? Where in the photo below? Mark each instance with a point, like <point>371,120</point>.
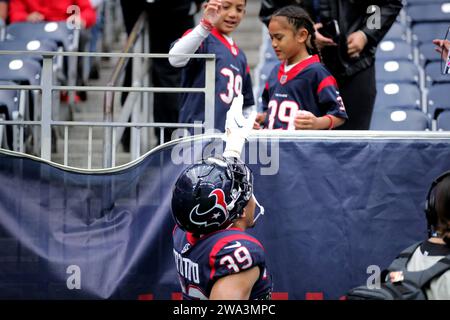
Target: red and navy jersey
<point>232,78</point>
<point>307,86</point>
<point>202,261</point>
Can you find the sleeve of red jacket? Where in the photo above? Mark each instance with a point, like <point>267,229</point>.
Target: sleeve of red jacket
<point>87,12</point>
<point>17,11</point>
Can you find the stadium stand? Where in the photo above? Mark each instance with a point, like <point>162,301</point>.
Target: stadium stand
<point>21,70</point>
<point>55,31</point>
<point>398,32</point>
<point>443,121</point>
<point>428,54</point>
<point>394,50</point>
<point>400,120</point>
<point>9,100</point>
<point>397,95</point>
<point>29,45</point>
<point>434,74</point>
<point>438,99</point>
<point>397,71</point>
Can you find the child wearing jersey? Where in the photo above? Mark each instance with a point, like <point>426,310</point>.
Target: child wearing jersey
<point>300,93</point>
<point>213,35</point>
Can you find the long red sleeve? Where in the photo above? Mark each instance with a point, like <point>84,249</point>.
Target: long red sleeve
<point>17,11</point>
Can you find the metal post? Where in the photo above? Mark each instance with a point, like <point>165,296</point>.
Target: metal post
<point>146,83</point>
<point>46,107</point>
<point>135,115</point>
<point>210,82</point>
<point>108,146</point>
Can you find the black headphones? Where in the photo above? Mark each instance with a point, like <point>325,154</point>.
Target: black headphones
<point>430,203</point>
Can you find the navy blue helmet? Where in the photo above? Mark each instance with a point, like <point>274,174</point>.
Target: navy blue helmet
<point>209,195</point>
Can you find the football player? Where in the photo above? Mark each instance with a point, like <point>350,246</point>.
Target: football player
<point>213,204</point>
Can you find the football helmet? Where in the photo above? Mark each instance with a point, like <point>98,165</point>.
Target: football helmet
<point>211,194</point>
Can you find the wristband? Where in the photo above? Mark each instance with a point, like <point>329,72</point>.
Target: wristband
<point>331,121</point>
<point>206,24</point>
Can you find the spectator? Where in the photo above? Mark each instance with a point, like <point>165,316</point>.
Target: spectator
<point>167,21</point>
<point>300,94</point>
<point>224,262</point>
<point>213,35</point>
<point>4,10</point>
<point>35,11</point>
<point>50,10</point>
<point>352,59</point>
<point>438,245</point>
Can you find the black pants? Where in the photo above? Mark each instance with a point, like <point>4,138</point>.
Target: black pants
<point>166,25</point>
<point>358,93</point>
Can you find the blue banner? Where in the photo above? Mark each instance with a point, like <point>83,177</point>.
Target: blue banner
<point>334,208</point>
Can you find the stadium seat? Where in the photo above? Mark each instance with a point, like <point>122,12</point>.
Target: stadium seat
<point>429,12</point>
<point>9,100</point>
<point>394,50</point>
<point>433,74</point>
<point>400,120</point>
<point>29,45</point>
<point>426,32</point>
<point>55,31</point>
<point>9,107</point>
<point>396,33</point>
<point>428,54</point>
<point>438,99</point>
<point>413,2</point>
<point>23,71</point>
<point>397,72</point>
<point>397,95</point>
<point>443,121</point>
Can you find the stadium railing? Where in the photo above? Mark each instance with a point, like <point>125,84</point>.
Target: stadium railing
<point>47,87</point>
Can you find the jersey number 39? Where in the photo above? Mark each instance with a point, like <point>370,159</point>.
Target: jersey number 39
<point>234,85</point>
<point>241,260</point>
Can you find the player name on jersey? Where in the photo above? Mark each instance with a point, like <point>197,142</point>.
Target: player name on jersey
<point>187,268</point>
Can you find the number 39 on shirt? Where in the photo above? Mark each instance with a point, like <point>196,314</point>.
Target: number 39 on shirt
<point>234,85</point>
<point>284,112</point>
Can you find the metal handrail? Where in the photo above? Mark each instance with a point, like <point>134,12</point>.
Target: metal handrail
<point>46,87</point>
<point>108,104</point>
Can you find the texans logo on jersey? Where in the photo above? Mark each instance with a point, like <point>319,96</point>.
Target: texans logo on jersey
<point>217,214</point>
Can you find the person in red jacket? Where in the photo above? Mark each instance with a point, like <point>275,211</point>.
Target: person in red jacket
<point>50,10</point>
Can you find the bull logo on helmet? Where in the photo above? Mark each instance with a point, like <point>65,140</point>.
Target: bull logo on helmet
<point>217,214</point>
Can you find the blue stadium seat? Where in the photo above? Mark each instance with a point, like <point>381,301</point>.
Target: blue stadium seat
<point>55,31</point>
<point>430,12</point>
<point>414,2</point>
<point>397,72</point>
<point>426,32</point>
<point>397,95</point>
<point>438,99</point>
<point>29,45</point>
<point>23,71</point>
<point>9,100</point>
<point>443,121</point>
<point>396,33</point>
<point>394,50</point>
<point>433,74</point>
<point>428,54</point>
<point>400,120</point>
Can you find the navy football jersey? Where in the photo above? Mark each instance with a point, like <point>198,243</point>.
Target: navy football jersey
<point>202,261</point>
<point>307,86</point>
<point>232,78</point>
